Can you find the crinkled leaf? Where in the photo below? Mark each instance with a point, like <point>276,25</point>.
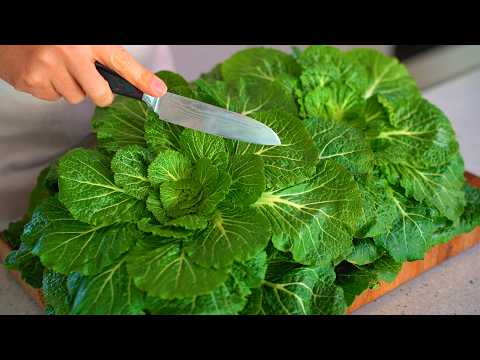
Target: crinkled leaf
<point>29,265</point>
<point>259,63</point>
<point>88,190</point>
<point>197,145</point>
<point>341,143</point>
<point>354,280</point>
<point>315,218</point>
<point>154,205</point>
<point>215,186</point>
<point>121,124</point>
<point>111,292</point>
<point>233,234</point>
<point>248,179</point>
<point>325,64</point>
<point>411,235</point>
<point>303,291</point>
<point>379,210</point>
<point>162,230</point>
<point>386,76</point>
<point>336,102</point>
<point>364,252</point>
<point>419,134</point>
<point>439,188</point>
<point>129,166</point>
<point>289,163</point>
<point>55,292</point>
<point>169,165</point>
<point>189,222</point>
<point>167,272</point>
<point>161,135</point>
<point>68,245</point>
<point>227,299</point>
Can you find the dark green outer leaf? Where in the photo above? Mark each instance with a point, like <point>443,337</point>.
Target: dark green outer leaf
<point>111,292</point>
<point>88,191</point>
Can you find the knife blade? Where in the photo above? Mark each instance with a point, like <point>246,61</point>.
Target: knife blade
<point>194,114</point>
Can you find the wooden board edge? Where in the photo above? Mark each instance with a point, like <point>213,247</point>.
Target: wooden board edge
<point>411,270</point>
<point>35,294</point>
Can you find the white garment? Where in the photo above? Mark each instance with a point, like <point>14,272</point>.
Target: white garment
<point>34,132</point>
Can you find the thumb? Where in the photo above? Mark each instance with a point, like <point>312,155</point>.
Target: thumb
<point>118,59</point>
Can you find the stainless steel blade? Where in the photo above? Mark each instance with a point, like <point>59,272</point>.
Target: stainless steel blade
<point>211,119</point>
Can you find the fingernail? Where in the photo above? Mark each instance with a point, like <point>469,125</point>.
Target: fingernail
<point>158,86</point>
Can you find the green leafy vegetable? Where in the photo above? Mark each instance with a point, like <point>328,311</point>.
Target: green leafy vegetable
<point>161,219</point>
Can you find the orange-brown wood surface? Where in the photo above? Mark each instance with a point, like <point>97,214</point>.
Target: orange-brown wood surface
<point>35,294</point>
<point>409,270</point>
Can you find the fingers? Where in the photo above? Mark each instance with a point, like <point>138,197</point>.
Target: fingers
<point>119,60</point>
<point>65,84</point>
<point>92,83</point>
<point>47,93</point>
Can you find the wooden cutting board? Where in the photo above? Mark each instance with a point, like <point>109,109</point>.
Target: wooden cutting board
<point>410,270</point>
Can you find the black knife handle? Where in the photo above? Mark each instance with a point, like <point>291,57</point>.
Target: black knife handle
<point>117,83</point>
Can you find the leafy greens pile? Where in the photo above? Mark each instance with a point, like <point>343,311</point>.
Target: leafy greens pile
<point>159,219</point>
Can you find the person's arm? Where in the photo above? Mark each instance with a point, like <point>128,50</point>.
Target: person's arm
<point>50,72</point>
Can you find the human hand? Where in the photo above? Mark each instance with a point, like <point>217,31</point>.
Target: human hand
<point>50,72</point>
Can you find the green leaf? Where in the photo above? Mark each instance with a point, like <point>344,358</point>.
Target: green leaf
<point>343,144</point>
<point>354,280</point>
<point>55,292</point>
<point>364,252</point>
<point>161,135</point>
<point>167,272</point>
<point>469,219</point>
<point>227,299</point>
<point>172,80</point>
<point>248,179</point>
<point>286,164</point>
<point>438,188</point>
<point>154,205</point>
<point>386,76</point>
<point>197,145</point>
<point>88,191</point>
<point>335,102</point>
<point>112,292</point>
<point>325,64</point>
<point>303,291</point>
<point>129,166</point>
<point>259,63</point>
<point>121,124</point>
<point>213,75</point>
<point>162,230</point>
<point>411,235</point>
<point>189,222</point>
<point>419,135</point>
<point>233,234</point>
<point>67,245</point>
<point>169,165</point>
<point>248,96</point>
<point>215,185</point>
<point>181,197</point>
<point>316,219</point>
<point>29,265</point>
<point>45,187</point>
<point>379,210</point>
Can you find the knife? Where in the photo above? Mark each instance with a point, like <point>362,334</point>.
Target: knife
<point>194,114</point>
